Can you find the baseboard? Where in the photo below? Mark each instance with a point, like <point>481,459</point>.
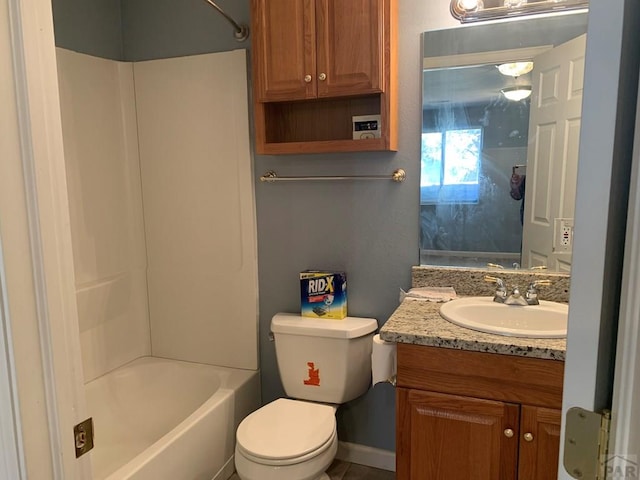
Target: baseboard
<point>226,471</point>
<point>369,456</point>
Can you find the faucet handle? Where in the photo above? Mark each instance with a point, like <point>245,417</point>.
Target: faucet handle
<point>539,267</point>
<point>501,290</point>
<point>532,290</point>
<point>545,282</point>
<point>494,265</point>
<point>498,281</point>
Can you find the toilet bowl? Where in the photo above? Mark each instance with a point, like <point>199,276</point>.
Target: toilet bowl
<point>287,440</point>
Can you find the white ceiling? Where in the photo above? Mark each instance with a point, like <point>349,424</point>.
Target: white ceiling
<point>466,85</point>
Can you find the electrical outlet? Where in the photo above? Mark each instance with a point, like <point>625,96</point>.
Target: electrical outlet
<point>563,235</point>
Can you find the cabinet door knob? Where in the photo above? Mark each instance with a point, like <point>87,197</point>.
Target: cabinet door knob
<point>307,79</point>
<point>322,77</point>
<point>508,433</point>
<point>528,437</point>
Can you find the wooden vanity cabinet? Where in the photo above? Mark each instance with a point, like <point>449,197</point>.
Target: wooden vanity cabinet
<point>540,453</point>
<point>472,415</point>
<point>317,63</point>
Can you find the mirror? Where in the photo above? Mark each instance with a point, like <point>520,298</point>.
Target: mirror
<point>500,150</point>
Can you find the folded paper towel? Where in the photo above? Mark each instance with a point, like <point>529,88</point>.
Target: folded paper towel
<point>383,361</point>
<point>431,294</point>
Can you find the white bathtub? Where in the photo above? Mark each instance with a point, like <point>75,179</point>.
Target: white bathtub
<point>157,419</point>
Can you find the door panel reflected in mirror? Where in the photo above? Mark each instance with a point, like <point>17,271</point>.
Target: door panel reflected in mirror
<point>498,172</point>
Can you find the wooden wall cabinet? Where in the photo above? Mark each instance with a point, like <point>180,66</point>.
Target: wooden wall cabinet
<point>317,63</point>
<point>463,415</point>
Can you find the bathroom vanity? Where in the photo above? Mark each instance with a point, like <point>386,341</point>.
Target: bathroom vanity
<point>472,404</point>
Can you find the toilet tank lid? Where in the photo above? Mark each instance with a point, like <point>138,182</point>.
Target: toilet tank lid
<point>349,327</point>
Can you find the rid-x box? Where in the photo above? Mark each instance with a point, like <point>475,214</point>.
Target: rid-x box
<point>323,294</point>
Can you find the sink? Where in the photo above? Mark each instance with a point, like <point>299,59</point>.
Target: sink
<point>547,320</point>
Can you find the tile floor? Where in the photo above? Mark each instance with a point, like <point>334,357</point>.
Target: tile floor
<point>340,470</point>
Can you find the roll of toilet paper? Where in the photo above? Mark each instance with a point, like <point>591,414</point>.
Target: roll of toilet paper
<point>383,360</point>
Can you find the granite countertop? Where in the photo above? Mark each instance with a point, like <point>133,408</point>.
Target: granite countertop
<point>419,322</point>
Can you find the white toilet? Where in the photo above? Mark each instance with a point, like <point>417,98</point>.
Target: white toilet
<point>321,361</point>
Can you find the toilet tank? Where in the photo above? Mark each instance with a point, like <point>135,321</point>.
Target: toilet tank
<point>323,360</point>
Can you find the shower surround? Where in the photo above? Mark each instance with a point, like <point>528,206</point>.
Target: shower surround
<point>162,211</point>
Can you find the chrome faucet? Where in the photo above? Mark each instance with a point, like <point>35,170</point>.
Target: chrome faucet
<point>515,297</point>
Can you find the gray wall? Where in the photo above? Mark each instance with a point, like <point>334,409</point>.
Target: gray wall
<point>170,28</point>
<point>368,229</point>
<point>93,27</point>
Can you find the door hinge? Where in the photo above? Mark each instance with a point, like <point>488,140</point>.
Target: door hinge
<point>586,443</point>
<point>83,436</point>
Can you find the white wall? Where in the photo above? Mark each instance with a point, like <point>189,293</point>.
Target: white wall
<point>197,180</point>
<point>105,205</point>
<point>18,269</point>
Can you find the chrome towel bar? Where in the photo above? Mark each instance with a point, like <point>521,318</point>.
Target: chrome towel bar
<point>397,176</point>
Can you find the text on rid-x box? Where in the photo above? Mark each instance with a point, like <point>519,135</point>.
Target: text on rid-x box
<point>323,294</point>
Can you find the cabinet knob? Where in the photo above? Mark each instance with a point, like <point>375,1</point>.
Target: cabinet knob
<point>307,79</point>
<point>528,437</point>
<point>508,433</point>
<point>322,77</point>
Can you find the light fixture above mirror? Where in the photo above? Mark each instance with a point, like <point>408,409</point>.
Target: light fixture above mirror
<point>517,93</point>
<point>478,10</point>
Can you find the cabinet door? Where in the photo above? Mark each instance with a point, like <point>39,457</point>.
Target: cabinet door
<point>284,58</point>
<point>539,443</point>
<point>449,437</point>
<point>350,46</point>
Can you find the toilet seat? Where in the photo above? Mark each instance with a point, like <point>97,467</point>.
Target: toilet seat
<point>286,432</point>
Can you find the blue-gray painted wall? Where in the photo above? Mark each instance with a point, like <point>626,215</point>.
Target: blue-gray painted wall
<point>170,28</point>
<point>93,27</point>
<point>368,229</point>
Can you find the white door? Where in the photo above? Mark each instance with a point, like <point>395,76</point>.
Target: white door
<point>625,441</point>
<point>38,281</point>
<point>11,445</point>
<point>552,156</point>
<point>606,146</point>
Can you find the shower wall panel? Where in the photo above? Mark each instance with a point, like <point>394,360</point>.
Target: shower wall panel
<point>197,184</point>
<point>103,177</point>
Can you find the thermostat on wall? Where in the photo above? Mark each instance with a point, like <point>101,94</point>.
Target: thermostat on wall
<point>366,126</point>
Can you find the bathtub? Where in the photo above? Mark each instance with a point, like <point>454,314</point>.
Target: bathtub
<point>157,419</point>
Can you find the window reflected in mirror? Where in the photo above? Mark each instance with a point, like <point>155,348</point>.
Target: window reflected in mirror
<point>450,165</point>
<point>472,137</point>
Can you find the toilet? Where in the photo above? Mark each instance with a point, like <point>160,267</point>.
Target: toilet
<point>322,363</point>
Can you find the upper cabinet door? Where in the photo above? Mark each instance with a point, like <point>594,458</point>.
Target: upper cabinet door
<point>284,57</point>
<point>350,47</point>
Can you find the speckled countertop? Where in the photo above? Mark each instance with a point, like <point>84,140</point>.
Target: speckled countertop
<point>419,321</point>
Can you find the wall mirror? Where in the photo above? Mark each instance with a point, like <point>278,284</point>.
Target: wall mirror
<point>500,131</point>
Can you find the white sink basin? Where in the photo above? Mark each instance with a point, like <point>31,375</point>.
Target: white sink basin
<point>547,320</point>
